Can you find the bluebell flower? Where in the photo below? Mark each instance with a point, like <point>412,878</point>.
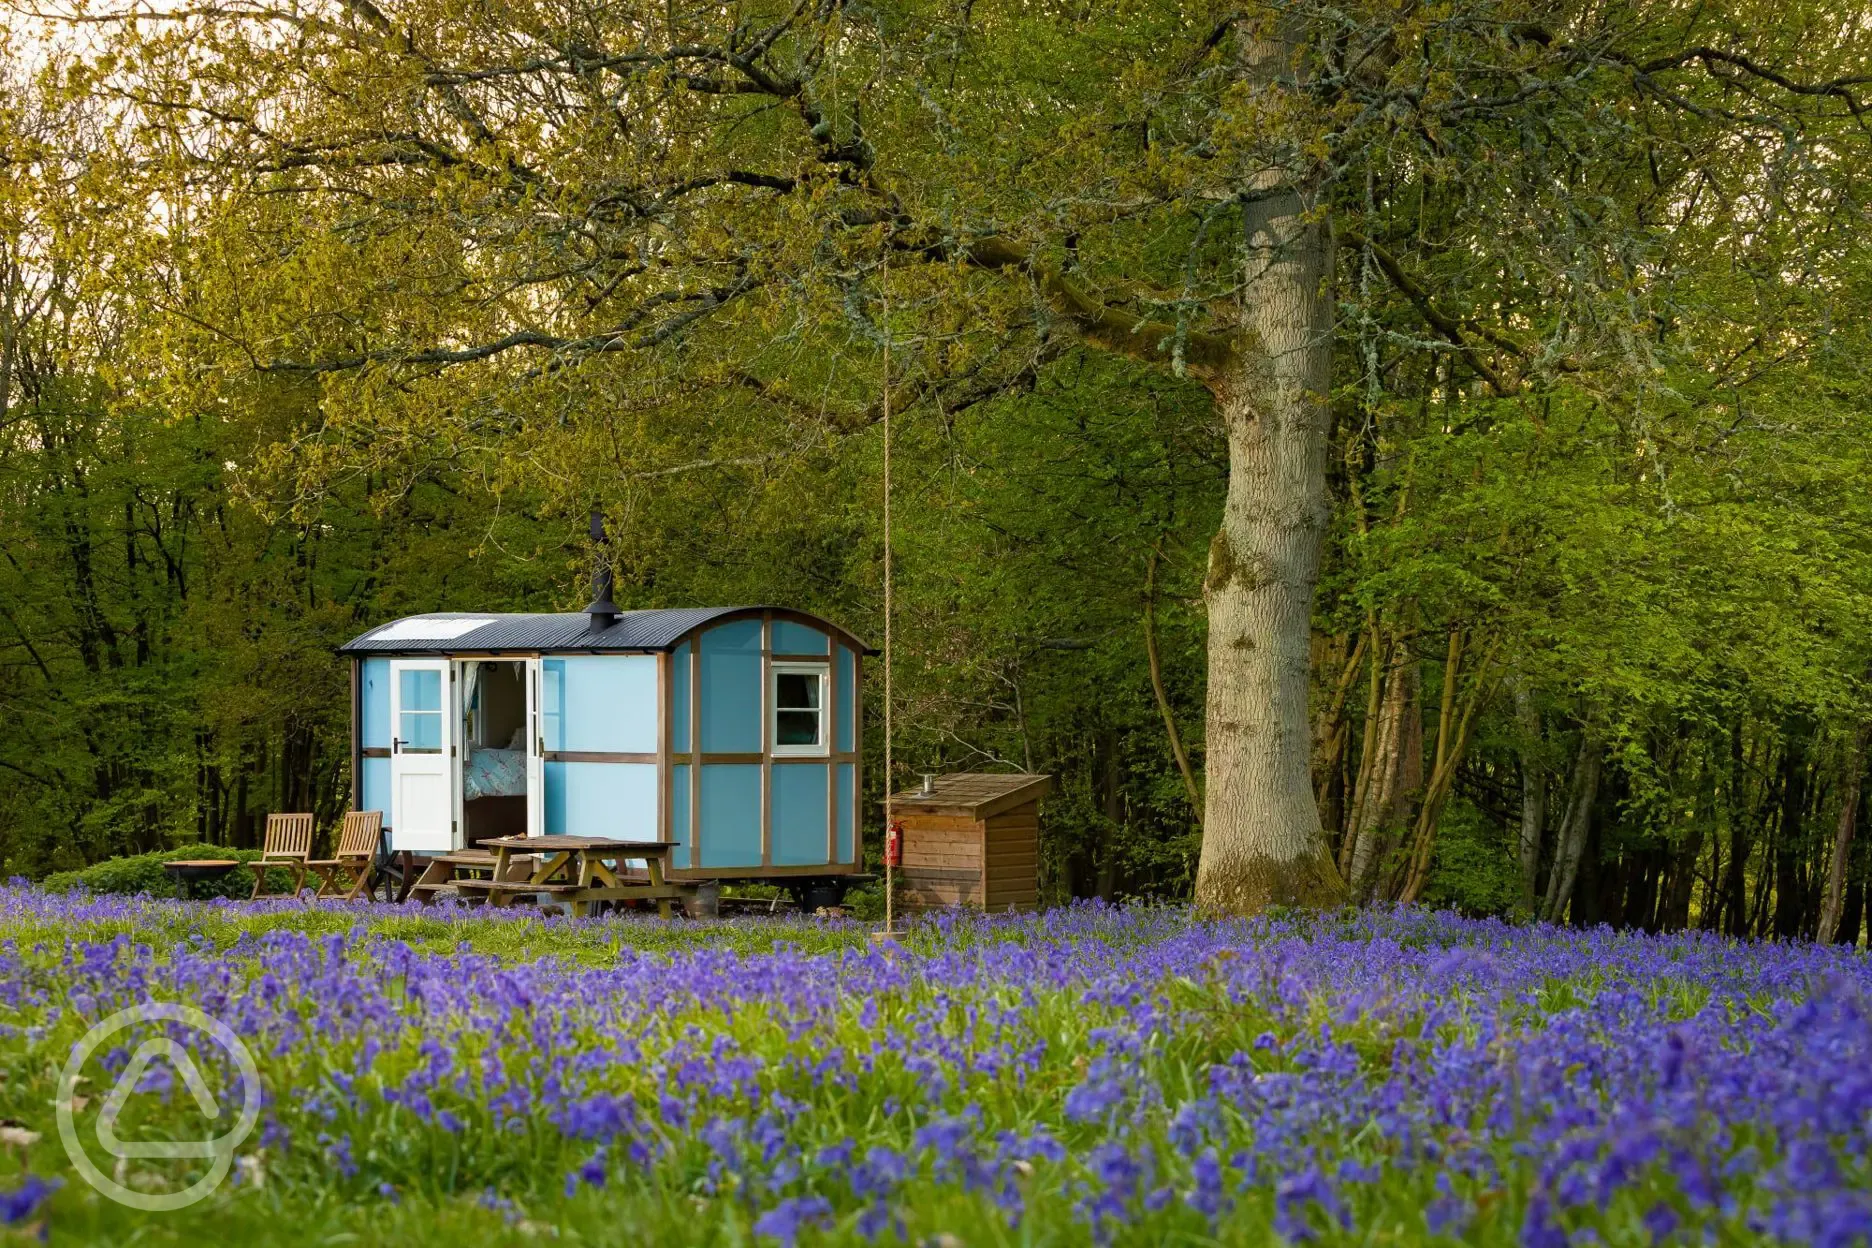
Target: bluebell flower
<point>787,1219</point>
<point>23,1201</point>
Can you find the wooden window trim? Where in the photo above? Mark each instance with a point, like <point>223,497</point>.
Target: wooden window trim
<point>770,699</point>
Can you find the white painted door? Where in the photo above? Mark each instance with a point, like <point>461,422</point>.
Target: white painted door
<point>422,747</point>
<point>536,753</point>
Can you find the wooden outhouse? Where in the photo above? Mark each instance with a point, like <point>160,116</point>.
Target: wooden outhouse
<point>731,731</point>
<point>971,838</point>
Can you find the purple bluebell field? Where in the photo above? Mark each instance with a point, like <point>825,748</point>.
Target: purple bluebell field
<point>1113,1075</point>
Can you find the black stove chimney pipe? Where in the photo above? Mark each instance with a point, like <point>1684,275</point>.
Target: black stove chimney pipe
<point>603,611</point>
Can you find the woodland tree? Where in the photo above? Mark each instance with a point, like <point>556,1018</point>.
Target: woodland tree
<point>543,228</point>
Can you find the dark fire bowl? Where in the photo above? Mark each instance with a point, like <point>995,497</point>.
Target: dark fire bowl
<point>201,869</point>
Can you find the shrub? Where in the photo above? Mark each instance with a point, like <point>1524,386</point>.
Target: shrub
<point>143,873</point>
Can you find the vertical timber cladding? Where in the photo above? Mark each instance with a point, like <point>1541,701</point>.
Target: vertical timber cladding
<point>664,768</point>
<point>357,739</point>
<point>767,739</point>
<point>973,838</point>
<point>371,729</point>
<point>801,781</point>
<point>755,808</point>
<point>695,751</point>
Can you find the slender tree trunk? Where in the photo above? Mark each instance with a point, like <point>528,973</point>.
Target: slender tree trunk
<point>1262,840</point>
<point>1368,748</point>
<point>1157,687</point>
<point>1833,901</point>
<point>1735,885</point>
<point>1533,791</point>
<point>1853,910</point>
<point>1382,809</point>
<point>1582,791</point>
<point>1675,913</point>
<point>1790,898</point>
<point>1455,721</point>
<point>1331,736</point>
<point>1111,782</point>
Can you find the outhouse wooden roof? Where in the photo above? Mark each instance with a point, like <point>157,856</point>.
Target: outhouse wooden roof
<point>974,794</point>
<point>564,632</point>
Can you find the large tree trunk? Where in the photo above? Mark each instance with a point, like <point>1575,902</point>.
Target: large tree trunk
<point>1262,840</point>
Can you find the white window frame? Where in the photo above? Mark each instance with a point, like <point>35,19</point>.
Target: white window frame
<point>824,672</point>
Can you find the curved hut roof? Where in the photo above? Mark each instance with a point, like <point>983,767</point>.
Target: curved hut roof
<point>563,632</point>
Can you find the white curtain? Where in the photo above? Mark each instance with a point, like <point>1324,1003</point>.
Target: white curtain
<point>471,681</point>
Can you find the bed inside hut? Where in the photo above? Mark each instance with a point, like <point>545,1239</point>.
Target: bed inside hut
<point>494,763</point>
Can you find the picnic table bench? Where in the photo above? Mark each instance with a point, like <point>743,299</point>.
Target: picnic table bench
<point>582,870</point>
<point>446,871</point>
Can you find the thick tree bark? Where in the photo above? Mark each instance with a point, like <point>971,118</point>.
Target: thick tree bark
<point>1262,840</point>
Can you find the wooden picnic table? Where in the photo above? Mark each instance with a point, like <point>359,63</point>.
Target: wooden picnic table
<point>580,870</point>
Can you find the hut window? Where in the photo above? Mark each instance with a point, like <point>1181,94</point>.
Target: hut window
<point>421,729</point>
<point>799,708</point>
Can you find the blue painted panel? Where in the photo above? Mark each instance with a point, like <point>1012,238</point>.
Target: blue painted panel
<point>799,815</point>
<point>552,708</point>
<point>731,805</point>
<point>600,702</point>
<point>731,688</point>
<point>553,808</point>
<point>374,705</point>
<point>792,638</point>
<point>847,775</point>
<point>847,700</point>
<point>679,708</point>
<point>679,814</point>
<point>374,786</point>
<point>741,636</point>
<point>602,799</point>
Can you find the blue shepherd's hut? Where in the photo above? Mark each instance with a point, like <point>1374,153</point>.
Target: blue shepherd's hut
<point>731,731</point>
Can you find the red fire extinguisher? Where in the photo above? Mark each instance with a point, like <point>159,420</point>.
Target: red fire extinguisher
<point>893,844</point>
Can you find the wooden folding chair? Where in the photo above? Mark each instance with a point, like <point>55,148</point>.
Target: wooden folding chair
<point>353,858</point>
<point>288,845</point>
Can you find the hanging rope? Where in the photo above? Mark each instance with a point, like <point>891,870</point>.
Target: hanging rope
<point>890,873</point>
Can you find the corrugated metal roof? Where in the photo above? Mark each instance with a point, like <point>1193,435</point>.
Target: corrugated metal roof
<point>561,632</point>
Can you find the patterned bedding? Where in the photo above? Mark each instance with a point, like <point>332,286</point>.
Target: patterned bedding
<point>494,773</point>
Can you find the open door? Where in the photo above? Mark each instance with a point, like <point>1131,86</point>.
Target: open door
<point>423,725</point>
<point>536,753</point>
